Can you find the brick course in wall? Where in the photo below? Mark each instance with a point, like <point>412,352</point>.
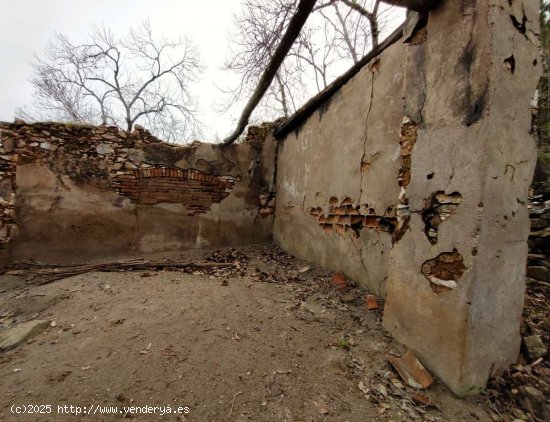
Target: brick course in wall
<point>345,217</point>
<point>195,189</point>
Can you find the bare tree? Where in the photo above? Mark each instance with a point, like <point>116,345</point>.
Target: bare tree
<point>118,81</point>
<point>337,34</point>
<point>261,25</point>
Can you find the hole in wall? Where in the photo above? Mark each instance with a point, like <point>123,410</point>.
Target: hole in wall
<point>430,176</point>
<point>510,64</point>
<point>345,217</point>
<point>520,26</point>
<point>444,271</point>
<point>439,207</point>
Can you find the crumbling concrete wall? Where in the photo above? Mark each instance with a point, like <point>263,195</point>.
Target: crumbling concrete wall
<point>75,193</point>
<point>430,146</point>
<point>337,184</point>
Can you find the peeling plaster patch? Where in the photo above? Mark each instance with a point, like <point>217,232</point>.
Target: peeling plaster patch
<point>444,271</point>
<point>439,207</point>
<point>408,137</point>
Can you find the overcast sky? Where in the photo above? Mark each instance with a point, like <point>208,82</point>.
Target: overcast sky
<point>27,25</point>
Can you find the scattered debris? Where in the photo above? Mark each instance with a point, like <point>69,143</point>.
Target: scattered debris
<point>411,370</point>
<point>41,273</point>
<point>273,387</point>
<point>534,347</point>
<point>314,300</point>
<point>518,390</point>
<point>372,302</point>
<point>233,403</point>
<point>339,281</point>
<point>422,399</point>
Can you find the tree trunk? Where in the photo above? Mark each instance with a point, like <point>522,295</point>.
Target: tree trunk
<point>294,27</point>
<point>416,5</point>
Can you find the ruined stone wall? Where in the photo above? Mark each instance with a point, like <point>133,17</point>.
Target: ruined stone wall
<point>413,180</point>
<point>75,193</point>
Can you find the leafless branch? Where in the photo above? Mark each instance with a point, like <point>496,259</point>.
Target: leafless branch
<point>111,81</point>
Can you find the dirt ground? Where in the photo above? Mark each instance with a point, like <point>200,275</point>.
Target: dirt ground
<point>268,340</point>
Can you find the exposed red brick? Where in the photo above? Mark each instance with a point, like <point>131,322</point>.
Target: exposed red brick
<point>355,219</point>
<point>167,185</point>
<point>371,301</point>
<point>339,210</point>
<point>339,281</point>
<point>340,229</point>
<point>411,370</point>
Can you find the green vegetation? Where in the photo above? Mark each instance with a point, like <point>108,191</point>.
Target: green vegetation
<point>344,344</point>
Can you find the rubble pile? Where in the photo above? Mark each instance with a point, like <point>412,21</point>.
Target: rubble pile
<point>523,390</point>
<point>538,266</point>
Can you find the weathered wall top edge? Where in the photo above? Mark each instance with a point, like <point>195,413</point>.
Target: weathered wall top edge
<point>50,129</point>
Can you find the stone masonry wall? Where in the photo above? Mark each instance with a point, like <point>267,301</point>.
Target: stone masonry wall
<point>77,192</point>
<point>538,267</point>
<point>413,179</point>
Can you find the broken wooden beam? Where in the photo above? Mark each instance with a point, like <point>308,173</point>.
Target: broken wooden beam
<point>46,273</point>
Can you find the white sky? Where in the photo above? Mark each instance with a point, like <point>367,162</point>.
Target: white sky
<point>27,25</point>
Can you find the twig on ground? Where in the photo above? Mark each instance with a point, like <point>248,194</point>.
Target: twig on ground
<point>233,403</point>
<point>539,282</point>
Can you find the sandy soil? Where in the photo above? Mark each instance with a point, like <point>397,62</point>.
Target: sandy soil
<point>267,342</point>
